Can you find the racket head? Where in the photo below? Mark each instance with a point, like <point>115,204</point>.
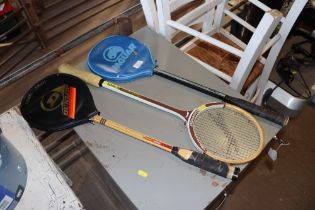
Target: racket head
<point>226,133</point>
<point>121,58</point>
<point>58,102</point>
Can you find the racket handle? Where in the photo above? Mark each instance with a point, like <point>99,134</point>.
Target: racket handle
<point>206,163</point>
<point>87,77</point>
<point>260,111</point>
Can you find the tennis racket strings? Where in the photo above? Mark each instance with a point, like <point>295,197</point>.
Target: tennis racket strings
<point>227,134</point>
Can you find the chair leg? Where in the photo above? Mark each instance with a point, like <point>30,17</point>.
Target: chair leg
<point>124,25</point>
<point>33,20</point>
<point>291,17</point>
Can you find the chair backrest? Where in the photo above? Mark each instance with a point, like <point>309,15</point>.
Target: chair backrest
<point>212,15</point>
<point>287,24</point>
<point>150,14</point>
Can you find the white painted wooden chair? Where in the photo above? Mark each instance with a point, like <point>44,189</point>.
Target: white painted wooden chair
<point>269,36</point>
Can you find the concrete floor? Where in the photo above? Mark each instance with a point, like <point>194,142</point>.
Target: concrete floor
<point>287,183</point>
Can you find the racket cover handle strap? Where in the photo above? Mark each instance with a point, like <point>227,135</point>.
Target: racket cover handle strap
<point>206,163</point>
<point>87,77</point>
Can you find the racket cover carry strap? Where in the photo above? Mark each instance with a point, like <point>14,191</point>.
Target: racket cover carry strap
<point>62,101</point>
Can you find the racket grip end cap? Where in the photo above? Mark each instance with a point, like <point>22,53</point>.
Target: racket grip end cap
<point>86,76</point>
<point>236,172</point>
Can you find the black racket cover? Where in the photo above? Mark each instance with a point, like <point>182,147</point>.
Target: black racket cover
<point>46,105</point>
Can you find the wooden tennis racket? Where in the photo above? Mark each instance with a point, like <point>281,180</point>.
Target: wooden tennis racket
<point>62,101</point>
<point>222,131</point>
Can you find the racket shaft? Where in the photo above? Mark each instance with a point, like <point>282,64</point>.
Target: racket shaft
<point>130,132</point>
<point>194,158</point>
<point>250,107</point>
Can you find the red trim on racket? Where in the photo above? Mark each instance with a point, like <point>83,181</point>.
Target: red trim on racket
<point>72,102</point>
<point>155,141</point>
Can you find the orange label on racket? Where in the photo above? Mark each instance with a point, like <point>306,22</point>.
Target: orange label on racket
<point>62,96</point>
<point>69,101</point>
<point>72,102</point>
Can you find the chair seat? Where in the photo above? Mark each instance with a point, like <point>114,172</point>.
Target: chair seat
<point>223,60</point>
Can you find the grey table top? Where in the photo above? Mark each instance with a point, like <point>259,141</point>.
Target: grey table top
<point>171,183</point>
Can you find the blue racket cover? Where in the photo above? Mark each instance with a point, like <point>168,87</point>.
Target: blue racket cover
<point>121,58</point>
